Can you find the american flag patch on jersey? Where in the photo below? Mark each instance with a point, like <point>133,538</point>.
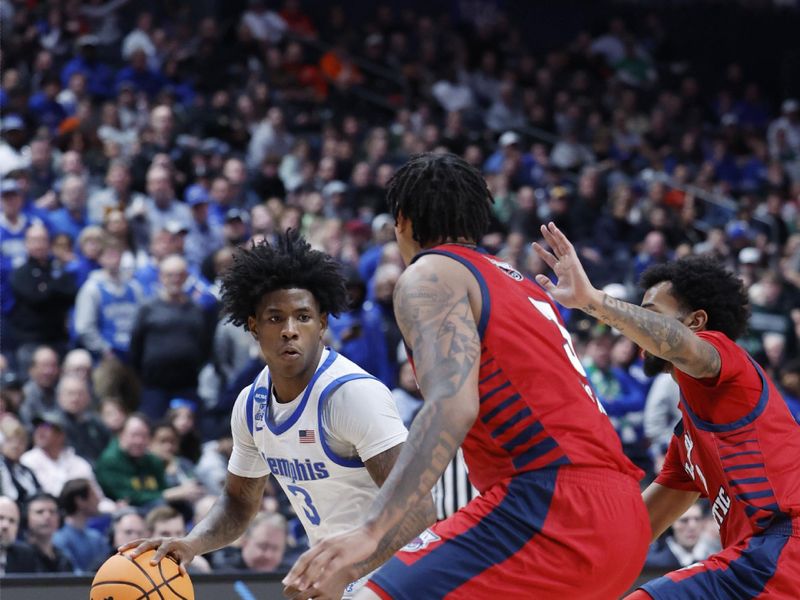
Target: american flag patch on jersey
<point>307,436</point>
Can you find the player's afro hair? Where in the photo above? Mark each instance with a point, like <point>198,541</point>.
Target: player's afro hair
<point>702,282</point>
<point>288,263</point>
<point>443,196</point>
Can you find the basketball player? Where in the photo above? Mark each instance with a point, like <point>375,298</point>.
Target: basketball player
<point>560,513</point>
<point>326,430</point>
<point>737,443</point>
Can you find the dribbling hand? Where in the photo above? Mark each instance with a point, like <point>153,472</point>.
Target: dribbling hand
<point>177,548</point>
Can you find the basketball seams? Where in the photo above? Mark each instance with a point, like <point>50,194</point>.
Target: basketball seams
<point>166,582</point>
<point>116,582</point>
<point>146,574</point>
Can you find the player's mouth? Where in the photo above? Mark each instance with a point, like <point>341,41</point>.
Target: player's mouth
<point>290,352</point>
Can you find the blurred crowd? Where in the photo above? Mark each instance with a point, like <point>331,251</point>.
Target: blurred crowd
<point>143,142</point>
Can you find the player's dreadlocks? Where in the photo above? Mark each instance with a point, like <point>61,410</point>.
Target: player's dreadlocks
<point>701,282</point>
<point>288,263</point>
<point>443,197</point>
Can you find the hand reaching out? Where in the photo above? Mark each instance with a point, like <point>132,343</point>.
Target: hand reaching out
<point>573,289</point>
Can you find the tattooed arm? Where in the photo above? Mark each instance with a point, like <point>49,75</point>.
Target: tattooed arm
<point>435,302</point>
<point>225,523</point>
<point>415,520</point>
<point>660,335</point>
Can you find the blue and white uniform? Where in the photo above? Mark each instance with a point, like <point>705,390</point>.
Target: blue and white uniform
<point>316,445</point>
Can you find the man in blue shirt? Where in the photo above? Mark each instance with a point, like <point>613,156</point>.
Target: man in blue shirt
<point>83,545</point>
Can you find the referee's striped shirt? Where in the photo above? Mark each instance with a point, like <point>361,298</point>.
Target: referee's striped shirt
<point>453,490</point>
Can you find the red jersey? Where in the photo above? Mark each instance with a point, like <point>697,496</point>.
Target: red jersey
<point>737,444</point>
<point>537,409</point>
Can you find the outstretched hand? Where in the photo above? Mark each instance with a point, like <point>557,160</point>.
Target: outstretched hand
<point>573,289</point>
<point>177,548</point>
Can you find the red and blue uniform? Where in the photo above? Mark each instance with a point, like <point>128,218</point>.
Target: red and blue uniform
<point>739,446</point>
<point>560,513</point>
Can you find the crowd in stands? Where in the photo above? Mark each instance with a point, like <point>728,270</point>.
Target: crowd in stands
<point>142,142</point>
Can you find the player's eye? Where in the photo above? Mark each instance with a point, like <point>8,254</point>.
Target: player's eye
<point>304,318</point>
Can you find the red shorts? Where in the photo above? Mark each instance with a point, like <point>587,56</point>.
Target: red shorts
<point>762,566</point>
<point>558,534</point>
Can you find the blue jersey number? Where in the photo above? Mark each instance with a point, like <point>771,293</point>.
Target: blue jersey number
<point>309,509</point>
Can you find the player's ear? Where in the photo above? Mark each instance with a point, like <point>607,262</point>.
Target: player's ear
<point>323,321</point>
<point>401,223</point>
<point>697,320</point>
<point>251,327</point>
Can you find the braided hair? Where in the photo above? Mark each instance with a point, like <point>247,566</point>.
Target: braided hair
<point>443,197</point>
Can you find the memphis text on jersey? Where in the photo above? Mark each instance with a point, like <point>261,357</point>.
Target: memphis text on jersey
<point>296,470</point>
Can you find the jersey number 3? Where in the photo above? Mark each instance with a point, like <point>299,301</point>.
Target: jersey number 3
<point>549,314</point>
<point>309,509</point>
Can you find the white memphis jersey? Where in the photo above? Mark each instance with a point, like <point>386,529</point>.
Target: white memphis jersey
<point>329,493</point>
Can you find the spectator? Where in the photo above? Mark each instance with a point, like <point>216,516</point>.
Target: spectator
<point>51,459</point>
<point>213,464</point>
<point>118,193</point>
<point>270,138</point>
<point>263,546</point>
<point>661,414</point>
<point>14,222</point>
<point>90,240</point>
<point>144,79</point>
<point>15,556</point>
<point>685,546</point>
<point>106,306</point>
<point>41,518</point>
<point>783,135</point>
<point>182,415</point>
<point>126,525</point>
<point>265,25</point>
<point>14,153</point>
<point>98,74</point>
<point>17,481</point>
<point>166,522</point>
<point>78,363</point>
<point>81,544</point>
<point>43,293</point>
<point>203,237</point>
<point>127,471</point>
<point>170,342</point>
<point>84,430</point>
<point>177,469</point>
<point>40,390</point>
<point>161,207</point>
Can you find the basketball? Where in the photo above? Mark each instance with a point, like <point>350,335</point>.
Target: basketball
<point>123,578</point>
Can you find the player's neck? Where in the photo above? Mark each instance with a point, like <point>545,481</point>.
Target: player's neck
<point>286,389</point>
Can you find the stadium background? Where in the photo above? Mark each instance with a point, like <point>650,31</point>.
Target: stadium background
<point>646,130</point>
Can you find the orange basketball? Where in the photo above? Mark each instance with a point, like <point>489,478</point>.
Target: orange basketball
<point>123,578</point>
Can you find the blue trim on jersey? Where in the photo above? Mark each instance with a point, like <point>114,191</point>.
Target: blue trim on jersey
<point>523,437</point>
<point>739,423</point>
<point>740,467</point>
<point>500,408</point>
<point>537,451</point>
<point>755,495</point>
<point>747,480</point>
<point>248,411</point>
<point>513,420</point>
<point>485,299</point>
<point>488,377</point>
<point>745,577</point>
<point>354,463</point>
<point>492,392</point>
<point>283,427</point>
<point>729,456</point>
<point>517,519</point>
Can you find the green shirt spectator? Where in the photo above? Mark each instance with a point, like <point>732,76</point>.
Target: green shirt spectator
<point>127,471</point>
